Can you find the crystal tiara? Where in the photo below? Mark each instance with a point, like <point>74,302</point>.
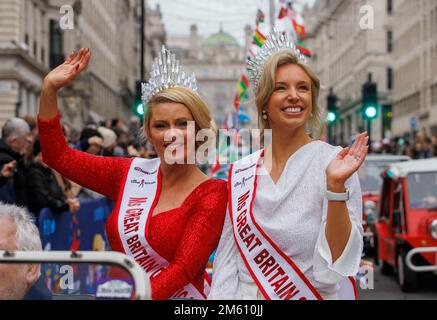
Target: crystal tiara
<point>275,42</point>
<point>166,73</point>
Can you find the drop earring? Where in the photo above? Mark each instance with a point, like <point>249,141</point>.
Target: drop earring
<point>264,114</point>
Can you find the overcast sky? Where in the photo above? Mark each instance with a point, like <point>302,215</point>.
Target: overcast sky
<point>178,15</point>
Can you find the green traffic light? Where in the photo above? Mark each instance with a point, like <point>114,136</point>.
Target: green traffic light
<point>370,112</point>
<point>140,109</point>
<point>331,116</point>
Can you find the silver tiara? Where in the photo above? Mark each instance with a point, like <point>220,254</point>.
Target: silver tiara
<point>166,73</point>
<point>275,42</point>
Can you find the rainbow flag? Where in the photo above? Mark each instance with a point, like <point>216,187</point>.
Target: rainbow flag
<point>244,84</point>
<point>258,38</point>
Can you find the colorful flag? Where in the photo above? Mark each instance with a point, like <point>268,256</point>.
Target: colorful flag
<point>303,49</point>
<point>283,13</point>
<point>244,84</point>
<point>299,28</point>
<point>258,38</point>
<point>260,17</point>
<point>236,102</point>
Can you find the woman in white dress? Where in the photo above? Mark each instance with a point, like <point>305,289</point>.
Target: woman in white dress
<point>293,227</point>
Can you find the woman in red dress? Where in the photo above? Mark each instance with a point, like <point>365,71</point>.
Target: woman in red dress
<point>172,236</point>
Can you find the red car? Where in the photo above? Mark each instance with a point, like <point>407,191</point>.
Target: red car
<point>371,181</point>
<point>407,219</point>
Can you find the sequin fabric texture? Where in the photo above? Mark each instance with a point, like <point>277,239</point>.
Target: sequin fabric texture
<point>185,236</point>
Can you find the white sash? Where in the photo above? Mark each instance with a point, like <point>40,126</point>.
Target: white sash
<point>138,199</point>
<point>275,274</point>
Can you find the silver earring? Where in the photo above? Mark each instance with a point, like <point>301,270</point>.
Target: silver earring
<point>264,114</point>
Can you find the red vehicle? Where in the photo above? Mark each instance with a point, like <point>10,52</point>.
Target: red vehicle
<point>407,219</point>
<point>371,181</point>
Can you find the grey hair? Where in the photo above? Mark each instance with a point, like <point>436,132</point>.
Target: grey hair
<point>15,127</point>
<point>27,235</point>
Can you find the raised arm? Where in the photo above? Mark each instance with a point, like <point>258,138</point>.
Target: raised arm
<point>100,174</point>
<point>58,78</point>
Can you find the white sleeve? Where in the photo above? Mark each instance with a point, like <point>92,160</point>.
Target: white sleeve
<point>348,263</point>
<point>225,271</point>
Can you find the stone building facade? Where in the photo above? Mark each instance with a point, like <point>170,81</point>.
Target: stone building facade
<point>218,62</point>
<point>33,40</point>
<point>345,54</point>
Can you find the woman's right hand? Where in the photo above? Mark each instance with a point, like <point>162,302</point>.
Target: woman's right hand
<point>62,75</point>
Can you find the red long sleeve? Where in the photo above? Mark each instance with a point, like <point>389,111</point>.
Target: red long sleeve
<point>200,234</point>
<point>185,236</point>
<point>100,174</point>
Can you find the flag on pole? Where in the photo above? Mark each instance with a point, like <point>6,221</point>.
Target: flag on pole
<point>236,102</point>
<point>258,38</point>
<point>282,13</point>
<point>299,28</point>
<point>302,48</point>
<point>244,84</point>
<point>260,17</point>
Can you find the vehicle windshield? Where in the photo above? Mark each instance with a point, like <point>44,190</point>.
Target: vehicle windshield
<point>422,190</point>
<point>370,174</point>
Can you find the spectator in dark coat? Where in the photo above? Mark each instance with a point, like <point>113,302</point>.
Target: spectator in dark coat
<point>15,141</point>
<point>44,189</point>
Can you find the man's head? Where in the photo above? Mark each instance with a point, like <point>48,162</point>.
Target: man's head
<point>17,233</point>
<point>16,134</point>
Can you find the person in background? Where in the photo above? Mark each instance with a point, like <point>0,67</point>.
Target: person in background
<point>109,141</point>
<point>15,141</point>
<point>44,188</point>
<point>18,232</point>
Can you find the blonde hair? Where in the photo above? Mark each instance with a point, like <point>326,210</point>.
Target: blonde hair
<point>315,125</point>
<point>194,103</point>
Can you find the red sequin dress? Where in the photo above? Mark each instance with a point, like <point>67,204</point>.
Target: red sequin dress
<point>184,236</point>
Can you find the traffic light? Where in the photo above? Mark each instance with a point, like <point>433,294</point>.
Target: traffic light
<point>370,100</point>
<point>138,107</point>
<point>332,107</point>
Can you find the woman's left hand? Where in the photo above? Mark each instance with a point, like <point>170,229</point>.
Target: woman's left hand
<point>346,163</point>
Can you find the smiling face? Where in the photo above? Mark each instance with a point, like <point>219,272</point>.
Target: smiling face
<point>169,129</point>
<point>290,104</point>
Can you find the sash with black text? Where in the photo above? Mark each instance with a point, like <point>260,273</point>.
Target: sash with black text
<point>138,199</point>
<point>275,274</point>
